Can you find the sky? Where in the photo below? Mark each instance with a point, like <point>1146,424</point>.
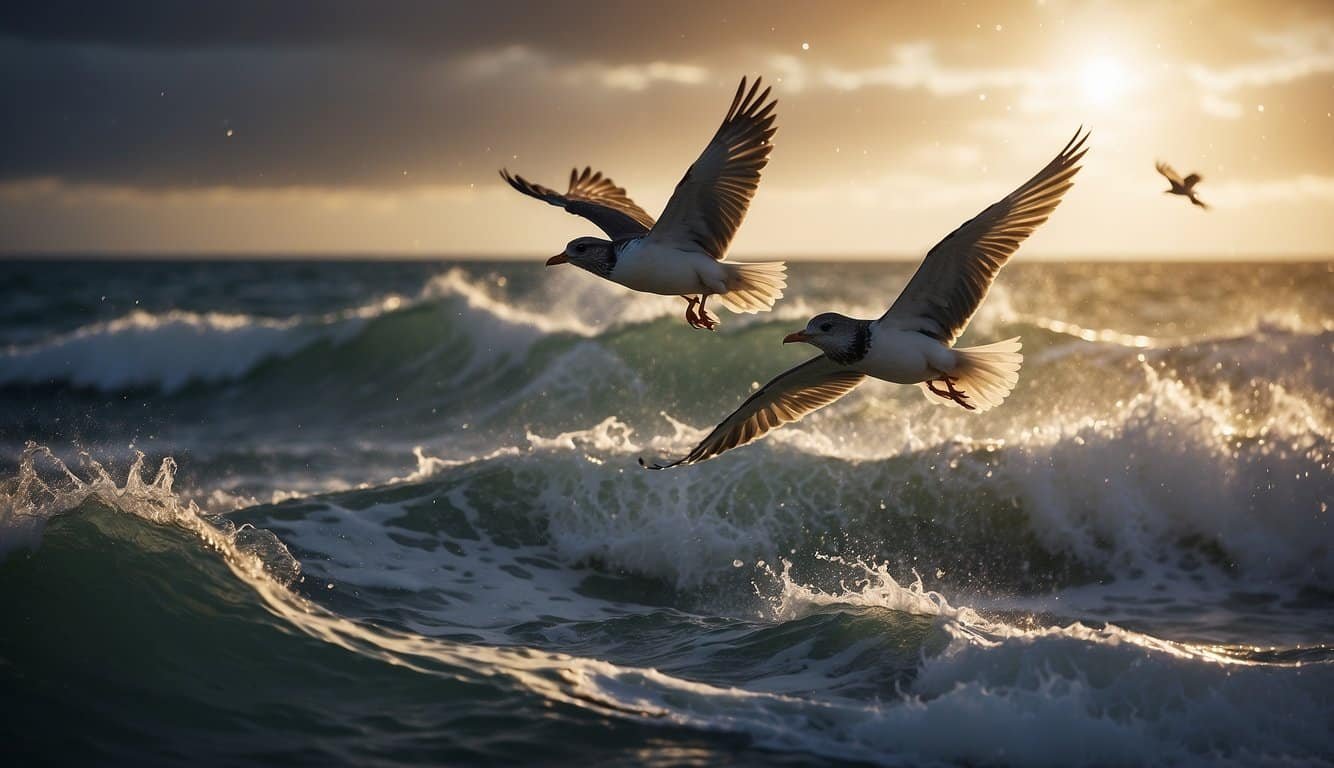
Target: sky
<point>333,127</point>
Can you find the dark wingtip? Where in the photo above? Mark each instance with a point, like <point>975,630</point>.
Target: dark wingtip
<point>655,466</point>
<point>513,180</point>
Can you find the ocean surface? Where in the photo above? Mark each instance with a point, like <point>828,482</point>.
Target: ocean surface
<point>389,514</point>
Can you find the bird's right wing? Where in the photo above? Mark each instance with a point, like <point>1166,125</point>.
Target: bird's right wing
<point>790,396</point>
<point>710,201</point>
<point>1168,173</point>
<point>1191,180</point>
<point>956,274</point>
<point>593,196</point>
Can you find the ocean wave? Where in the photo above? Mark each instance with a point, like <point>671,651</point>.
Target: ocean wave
<point>866,669</point>
<point>803,683</point>
<point>44,487</point>
<point>1173,485</point>
<point>481,324</point>
<point>170,350</point>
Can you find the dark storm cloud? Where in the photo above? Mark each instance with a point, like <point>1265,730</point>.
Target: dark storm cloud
<point>334,93</point>
<point>615,29</point>
<point>355,93</point>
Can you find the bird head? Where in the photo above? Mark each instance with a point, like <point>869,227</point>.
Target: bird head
<point>834,334</point>
<point>591,253</point>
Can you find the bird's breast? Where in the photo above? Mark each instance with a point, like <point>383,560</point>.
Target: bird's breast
<point>652,268</point>
<point>905,357</point>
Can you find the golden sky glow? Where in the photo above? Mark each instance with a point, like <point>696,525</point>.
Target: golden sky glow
<point>896,123</point>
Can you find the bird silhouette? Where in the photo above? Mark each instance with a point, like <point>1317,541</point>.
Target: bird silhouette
<point>1184,187</point>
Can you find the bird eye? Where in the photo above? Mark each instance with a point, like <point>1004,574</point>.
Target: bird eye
<point>579,249</point>
<point>826,327</point>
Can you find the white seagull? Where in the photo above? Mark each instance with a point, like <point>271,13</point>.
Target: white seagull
<point>682,254</point>
<point>912,343</point>
<point>1180,186</point>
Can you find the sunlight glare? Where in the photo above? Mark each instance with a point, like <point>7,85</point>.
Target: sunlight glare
<point>1104,81</point>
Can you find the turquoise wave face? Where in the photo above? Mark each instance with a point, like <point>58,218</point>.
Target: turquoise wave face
<point>172,640</point>
<point>403,522</point>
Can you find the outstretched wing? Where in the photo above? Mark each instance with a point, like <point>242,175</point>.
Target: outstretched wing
<point>593,196</point>
<point>1168,173</point>
<point>790,396</point>
<point>956,274</point>
<point>711,199</point>
<point>1191,180</point>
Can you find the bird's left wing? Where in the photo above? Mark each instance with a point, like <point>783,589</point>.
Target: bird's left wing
<point>1168,173</point>
<point>1191,180</point>
<point>956,274</point>
<point>710,201</point>
<point>593,196</point>
<point>790,396</point>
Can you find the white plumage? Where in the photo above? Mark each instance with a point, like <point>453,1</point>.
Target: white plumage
<point>682,253</point>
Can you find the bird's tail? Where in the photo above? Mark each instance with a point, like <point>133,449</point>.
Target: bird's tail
<point>984,374</point>
<point>753,287</point>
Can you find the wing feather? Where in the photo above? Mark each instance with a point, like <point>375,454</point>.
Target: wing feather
<point>956,274</point>
<point>594,197</point>
<point>1169,174</point>
<point>790,396</point>
<point>710,201</point>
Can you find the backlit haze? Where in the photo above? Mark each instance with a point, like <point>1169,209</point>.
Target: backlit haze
<point>378,128</point>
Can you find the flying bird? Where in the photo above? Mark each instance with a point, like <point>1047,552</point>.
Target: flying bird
<point>1181,186</point>
<point>913,342</point>
<point>682,253</point>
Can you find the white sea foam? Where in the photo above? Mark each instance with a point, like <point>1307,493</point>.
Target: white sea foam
<point>175,348</point>
<point>44,487</point>
<point>1042,695</point>
<point>1047,696</point>
<point>171,349</point>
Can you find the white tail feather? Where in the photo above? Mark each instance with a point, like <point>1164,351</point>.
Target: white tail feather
<point>753,287</point>
<point>985,374</point>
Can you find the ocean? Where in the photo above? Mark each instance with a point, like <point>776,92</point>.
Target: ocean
<point>390,514</point>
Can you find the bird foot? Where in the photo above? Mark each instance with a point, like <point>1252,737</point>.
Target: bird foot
<point>700,318</point>
<point>950,393</point>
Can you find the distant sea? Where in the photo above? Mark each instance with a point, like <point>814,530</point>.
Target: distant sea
<point>383,513</point>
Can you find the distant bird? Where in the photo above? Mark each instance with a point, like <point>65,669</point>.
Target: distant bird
<point>1181,186</point>
<point>682,254</point>
<point>912,343</point>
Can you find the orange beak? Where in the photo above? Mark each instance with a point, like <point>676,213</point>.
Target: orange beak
<point>557,259</point>
<point>798,336</point>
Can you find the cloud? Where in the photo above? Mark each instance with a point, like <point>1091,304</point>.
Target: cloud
<point>1306,188</point>
<point>1293,56</point>
<point>911,66</point>
<point>512,60</point>
<point>1220,106</point>
<point>53,191</point>
<point>639,77</point>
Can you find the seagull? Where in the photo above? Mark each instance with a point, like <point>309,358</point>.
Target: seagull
<point>682,253</point>
<point>1181,186</point>
<point>913,342</point>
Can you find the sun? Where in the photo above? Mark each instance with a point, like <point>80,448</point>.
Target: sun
<point>1104,81</point>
